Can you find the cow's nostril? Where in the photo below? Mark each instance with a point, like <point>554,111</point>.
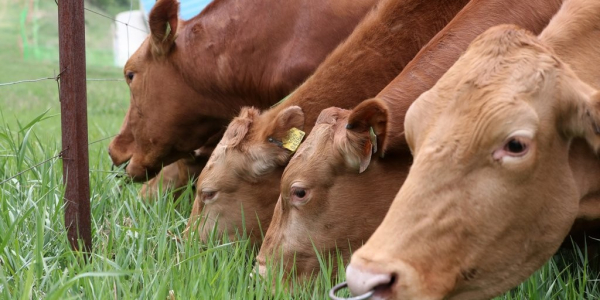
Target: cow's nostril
<point>362,281</point>
<point>393,280</point>
<point>382,290</point>
<point>385,287</point>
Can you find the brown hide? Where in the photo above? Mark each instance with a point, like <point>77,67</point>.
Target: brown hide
<point>504,162</point>
<point>431,65</point>
<point>189,78</point>
<point>578,48</point>
<point>173,177</point>
<point>343,212</point>
<point>247,173</point>
<point>177,175</point>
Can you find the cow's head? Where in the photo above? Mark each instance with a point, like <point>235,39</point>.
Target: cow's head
<point>159,127</point>
<point>334,191</point>
<point>490,196</point>
<point>243,173</point>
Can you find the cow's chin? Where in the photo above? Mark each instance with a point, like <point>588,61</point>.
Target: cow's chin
<point>140,173</point>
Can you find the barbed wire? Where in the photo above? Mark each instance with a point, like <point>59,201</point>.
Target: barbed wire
<point>89,79</point>
<point>103,139</point>
<point>111,18</point>
<point>105,79</point>
<point>59,155</point>
<point>54,78</point>
<point>32,167</point>
<point>27,80</point>
<point>57,79</point>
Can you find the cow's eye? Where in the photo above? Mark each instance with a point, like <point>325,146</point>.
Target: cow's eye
<point>299,195</point>
<point>515,146</point>
<point>208,196</point>
<point>129,75</point>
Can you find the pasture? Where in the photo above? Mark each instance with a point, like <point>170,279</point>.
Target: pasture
<point>139,251</point>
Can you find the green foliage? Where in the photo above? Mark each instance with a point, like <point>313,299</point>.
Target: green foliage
<point>138,249</point>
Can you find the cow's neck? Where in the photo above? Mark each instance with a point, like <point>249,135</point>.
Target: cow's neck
<point>257,52</point>
<point>572,35</point>
<point>373,55</point>
<point>445,48</point>
<point>213,43</point>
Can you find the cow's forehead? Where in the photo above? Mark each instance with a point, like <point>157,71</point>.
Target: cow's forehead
<point>485,74</point>
<point>483,116</point>
<point>331,121</point>
<point>484,96</point>
<point>319,136</point>
<point>137,58</point>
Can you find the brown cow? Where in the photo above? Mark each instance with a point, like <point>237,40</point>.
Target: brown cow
<point>189,78</point>
<point>504,163</point>
<point>173,177</point>
<point>245,170</point>
<point>335,170</point>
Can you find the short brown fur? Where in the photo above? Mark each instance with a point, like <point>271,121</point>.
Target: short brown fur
<point>359,201</point>
<point>372,56</point>
<point>475,215</point>
<point>191,77</point>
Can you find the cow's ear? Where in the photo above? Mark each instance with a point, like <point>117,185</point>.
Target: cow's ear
<point>581,113</point>
<point>365,132</point>
<point>239,127</point>
<point>286,130</point>
<point>163,22</point>
<point>370,116</point>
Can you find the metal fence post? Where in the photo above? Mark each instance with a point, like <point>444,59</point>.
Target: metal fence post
<point>71,33</point>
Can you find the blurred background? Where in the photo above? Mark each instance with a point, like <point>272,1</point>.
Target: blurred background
<point>114,28</point>
<point>29,62</point>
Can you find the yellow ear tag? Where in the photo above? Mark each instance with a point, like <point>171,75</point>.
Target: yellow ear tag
<point>293,139</point>
<point>373,137</point>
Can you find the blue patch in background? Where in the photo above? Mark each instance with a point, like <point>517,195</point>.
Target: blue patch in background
<point>187,8</point>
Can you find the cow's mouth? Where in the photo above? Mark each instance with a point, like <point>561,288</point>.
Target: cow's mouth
<point>129,172</point>
<point>119,170</point>
<point>140,173</point>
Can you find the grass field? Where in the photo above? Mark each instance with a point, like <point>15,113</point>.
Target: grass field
<point>138,252</point>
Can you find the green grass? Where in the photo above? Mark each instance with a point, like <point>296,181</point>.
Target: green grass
<point>138,250</point>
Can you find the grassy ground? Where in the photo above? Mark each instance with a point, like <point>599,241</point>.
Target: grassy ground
<point>138,250</point>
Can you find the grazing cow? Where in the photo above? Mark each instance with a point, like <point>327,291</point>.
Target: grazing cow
<point>504,163</point>
<point>245,169</point>
<point>190,78</point>
<point>328,189</point>
<point>174,176</point>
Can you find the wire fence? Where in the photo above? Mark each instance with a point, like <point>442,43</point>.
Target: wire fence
<point>56,77</point>
<point>72,95</point>
<point>33,30</point>
<point>60,154</point>
<point>51,159</point>
<point>115,20</point>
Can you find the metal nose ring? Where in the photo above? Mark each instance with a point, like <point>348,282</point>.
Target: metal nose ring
<point>344,285</point>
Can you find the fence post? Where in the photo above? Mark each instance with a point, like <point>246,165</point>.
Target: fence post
<point>71,35</point>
